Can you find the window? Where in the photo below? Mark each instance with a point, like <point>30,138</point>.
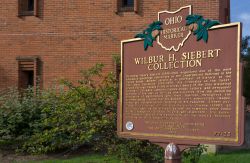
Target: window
<point>127,5</point>
<point>31,5</point>
<point>27,7</point>
<point>27,72</point>
<point>26,79</point>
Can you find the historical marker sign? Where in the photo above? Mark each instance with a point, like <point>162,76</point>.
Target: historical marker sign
<point>181,90</point>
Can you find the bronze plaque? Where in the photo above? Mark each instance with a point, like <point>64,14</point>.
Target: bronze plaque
<point>187,96</point>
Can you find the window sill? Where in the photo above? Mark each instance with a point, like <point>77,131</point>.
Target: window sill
<point>127,9</point>
<point>26,13</point>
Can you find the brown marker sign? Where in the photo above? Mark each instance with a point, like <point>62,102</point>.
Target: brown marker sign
<point>187,93</point>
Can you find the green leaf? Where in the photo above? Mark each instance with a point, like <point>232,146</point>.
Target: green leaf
<point>157,28</point>
<point>156,23</point>
<point>200,26</point>
<point>145,44</point>
<point>150,43</point>
<point>147,34</point>
<point>205,35</point>
<point>200,35</point>
<point>140,35</point>
<point>203,25</point>
<point>149,31</point>
<point>192,19</point>
<point>212,23</point>
<point>150,37</point>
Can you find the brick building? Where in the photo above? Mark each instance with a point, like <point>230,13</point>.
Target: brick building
<point>54,39</point>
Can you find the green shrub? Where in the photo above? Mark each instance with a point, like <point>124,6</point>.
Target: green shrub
<point>84,114</point>
<point>245,54</point>
<point>19,116</point>
<point>137,151</point>
<point>247,79</point>
<point>193,154</point>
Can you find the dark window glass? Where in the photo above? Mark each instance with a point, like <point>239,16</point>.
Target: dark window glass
<point>30,5</point>
<point>30,77</point>
<point>26,79</point>
<point>128,3</point>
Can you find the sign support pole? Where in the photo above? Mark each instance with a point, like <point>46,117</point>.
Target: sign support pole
<point>172,153</point>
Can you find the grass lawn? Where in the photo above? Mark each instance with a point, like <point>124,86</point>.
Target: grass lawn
<point>233,157</point>
<point>94,158</point>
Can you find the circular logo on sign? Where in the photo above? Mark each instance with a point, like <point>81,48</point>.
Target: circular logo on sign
<point>129,126</point>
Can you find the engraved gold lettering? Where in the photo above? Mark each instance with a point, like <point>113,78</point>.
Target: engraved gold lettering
<point>179,96</point>
<point>173,20</point>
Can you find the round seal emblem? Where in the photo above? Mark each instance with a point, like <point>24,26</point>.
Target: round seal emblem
<point>129,126</point>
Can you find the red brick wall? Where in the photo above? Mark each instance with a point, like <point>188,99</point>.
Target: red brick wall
<point>72,35</point>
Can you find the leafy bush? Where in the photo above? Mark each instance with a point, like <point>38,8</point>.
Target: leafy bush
<point>19,116</point>
<point>193,154</point>
<point>85,114</point>
<point>247,79</point>
<point>137,151</point>
<point>245,53</point>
